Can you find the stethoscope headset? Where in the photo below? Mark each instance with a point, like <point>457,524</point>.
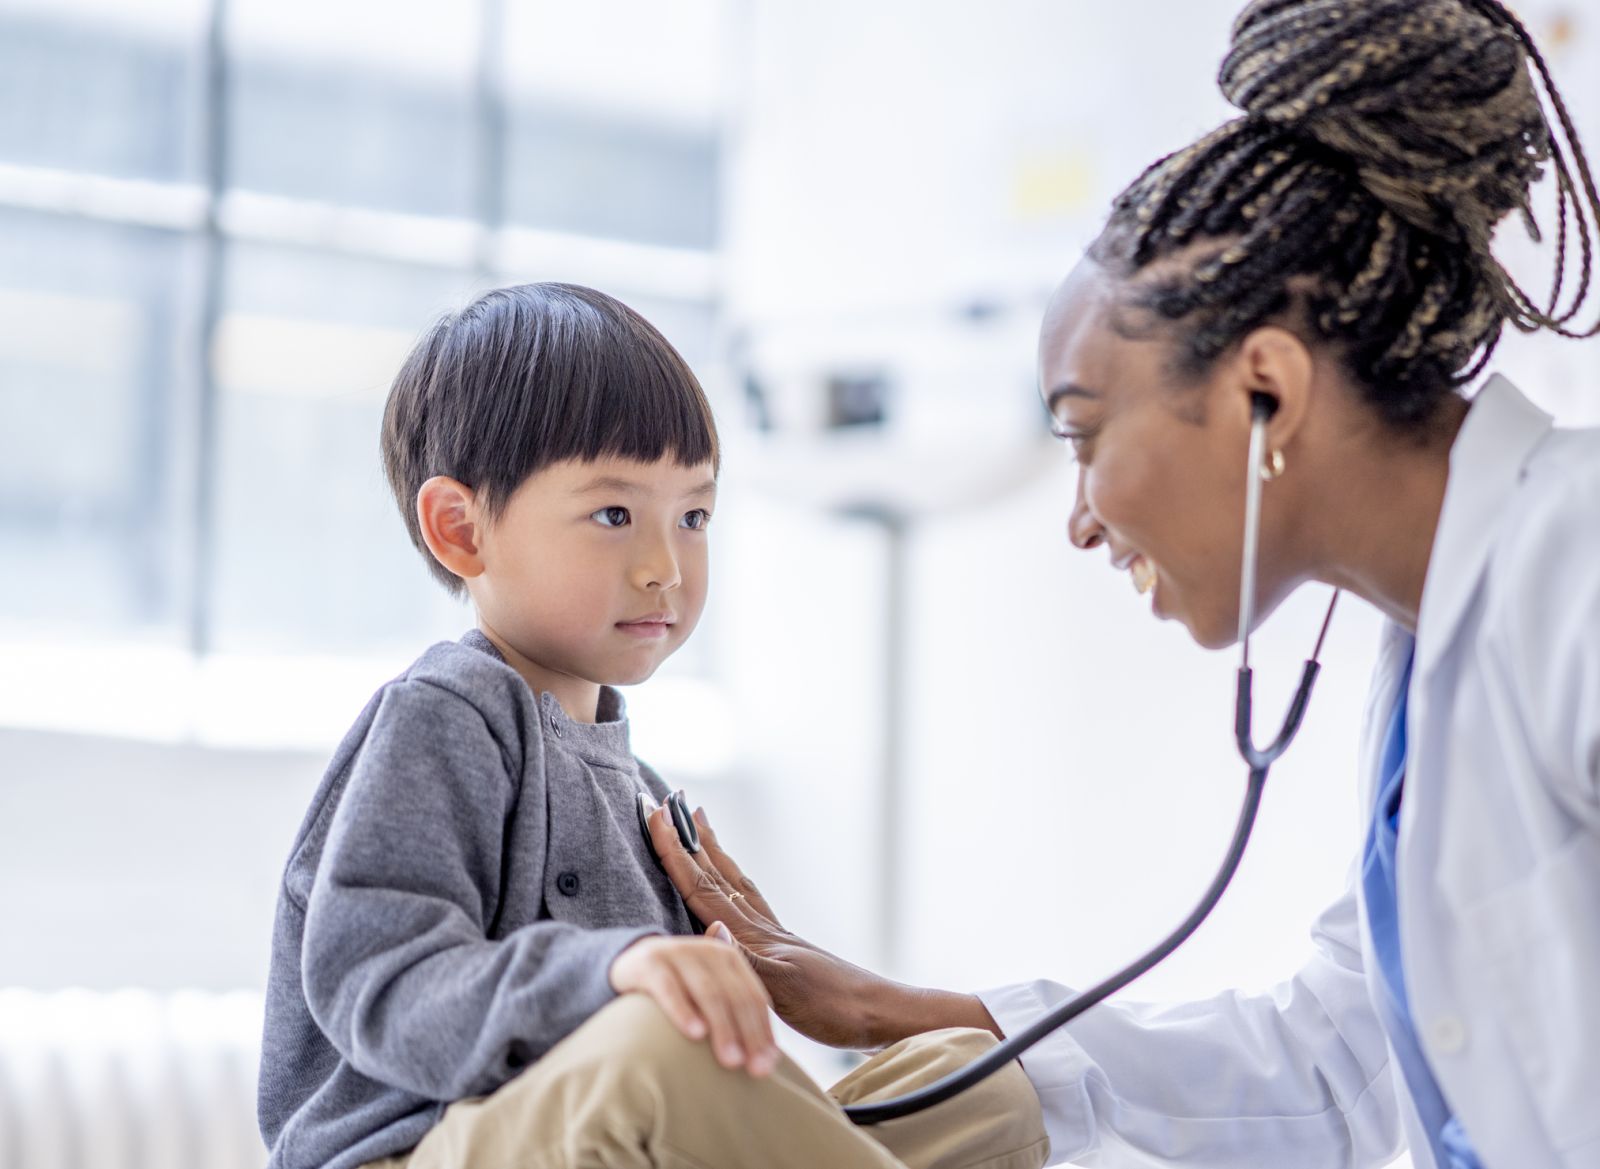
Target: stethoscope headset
<point>1258,759</point>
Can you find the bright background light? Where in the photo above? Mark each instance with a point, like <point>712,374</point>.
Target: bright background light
<point>946,744</point>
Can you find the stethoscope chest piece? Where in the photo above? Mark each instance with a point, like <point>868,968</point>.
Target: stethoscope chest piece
<point>678,809</point>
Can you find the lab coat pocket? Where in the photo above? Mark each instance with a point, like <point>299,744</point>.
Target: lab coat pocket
<point>1540,940</point>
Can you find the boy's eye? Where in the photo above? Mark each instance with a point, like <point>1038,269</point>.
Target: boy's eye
<point>610,517</point>
<point>696,519</point>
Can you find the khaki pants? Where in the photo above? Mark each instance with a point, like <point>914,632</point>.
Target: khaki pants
<point>627,1091</point>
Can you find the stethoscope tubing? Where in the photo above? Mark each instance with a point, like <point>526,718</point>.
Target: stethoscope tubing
<point>1259,760</point>
<point>1014,1045</point>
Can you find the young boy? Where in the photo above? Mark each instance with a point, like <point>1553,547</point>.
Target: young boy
<point>477,963</point>
<point>471,884</point>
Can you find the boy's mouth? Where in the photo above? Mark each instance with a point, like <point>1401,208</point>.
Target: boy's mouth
<point>654,625</point>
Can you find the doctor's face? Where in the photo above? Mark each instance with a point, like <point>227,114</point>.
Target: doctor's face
<point>1160,457</point>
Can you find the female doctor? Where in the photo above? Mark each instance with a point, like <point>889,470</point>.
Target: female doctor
<point>1325,260</point>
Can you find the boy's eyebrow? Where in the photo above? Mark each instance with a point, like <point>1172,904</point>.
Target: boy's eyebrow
<point>617,483</point>
<point>606,483</point>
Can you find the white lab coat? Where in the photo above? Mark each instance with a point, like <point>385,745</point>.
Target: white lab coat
<point>1499,881</point>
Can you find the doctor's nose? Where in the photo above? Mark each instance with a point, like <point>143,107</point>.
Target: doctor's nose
<point>1083,529</point>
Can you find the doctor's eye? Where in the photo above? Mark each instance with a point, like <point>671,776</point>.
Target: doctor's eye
<point>611,517</point>
<point>1077,442</point>
<point>695,520</point>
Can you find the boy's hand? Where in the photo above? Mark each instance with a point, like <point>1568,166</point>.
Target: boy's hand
<point>706,987</point>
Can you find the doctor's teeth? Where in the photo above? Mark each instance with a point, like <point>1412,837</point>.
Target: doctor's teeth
<point>1144,575</point>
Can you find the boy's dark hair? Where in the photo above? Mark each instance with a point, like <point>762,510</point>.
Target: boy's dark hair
<point>528,376</point>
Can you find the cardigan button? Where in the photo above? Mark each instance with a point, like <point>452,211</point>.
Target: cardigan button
<point>1449,1035</point>
<point>567,884</point>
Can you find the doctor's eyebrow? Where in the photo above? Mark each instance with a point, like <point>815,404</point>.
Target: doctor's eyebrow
<point>1066,390</point>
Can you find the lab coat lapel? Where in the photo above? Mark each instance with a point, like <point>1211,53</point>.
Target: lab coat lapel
<point>1499,436</point>
<point>1494,445</point>
<point>1500,433</point>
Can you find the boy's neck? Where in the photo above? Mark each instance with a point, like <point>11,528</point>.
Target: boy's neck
<point>579,697</point>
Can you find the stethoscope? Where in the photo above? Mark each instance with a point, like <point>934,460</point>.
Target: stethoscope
<point>1259,760</point>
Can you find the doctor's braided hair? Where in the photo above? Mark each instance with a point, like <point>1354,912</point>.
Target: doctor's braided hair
<point>1381,142</point>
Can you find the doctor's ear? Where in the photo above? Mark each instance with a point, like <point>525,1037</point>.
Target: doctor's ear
<point>1275,370</point>
<point>448,517</point>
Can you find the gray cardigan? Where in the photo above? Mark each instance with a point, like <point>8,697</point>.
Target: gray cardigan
<point>470,865</point>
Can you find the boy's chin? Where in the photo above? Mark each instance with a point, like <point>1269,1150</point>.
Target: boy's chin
<point>627,676</point>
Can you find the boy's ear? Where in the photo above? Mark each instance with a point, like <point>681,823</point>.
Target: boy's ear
<point>447,514</point>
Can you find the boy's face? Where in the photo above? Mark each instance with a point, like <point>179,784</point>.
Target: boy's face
<point>596,570</point>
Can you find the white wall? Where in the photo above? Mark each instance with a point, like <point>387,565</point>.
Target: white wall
<point>131,863</point>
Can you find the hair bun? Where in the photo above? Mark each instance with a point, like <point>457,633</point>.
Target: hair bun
<point>1430,100</point>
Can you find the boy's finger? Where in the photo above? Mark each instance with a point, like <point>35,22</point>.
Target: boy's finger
<point>674,1002</point>
<point>752,1008</point>
<point>711,997</point>
<point>755,1022</point>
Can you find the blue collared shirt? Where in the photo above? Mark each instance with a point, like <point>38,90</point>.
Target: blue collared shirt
<point>1451,1148</point>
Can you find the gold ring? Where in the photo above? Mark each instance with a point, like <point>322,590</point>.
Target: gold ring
<point>734,896</point>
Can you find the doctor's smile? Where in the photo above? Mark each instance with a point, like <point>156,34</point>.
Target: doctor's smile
<point>1144,575</point>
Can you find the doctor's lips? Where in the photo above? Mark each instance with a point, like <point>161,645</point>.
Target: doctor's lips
<point>1143,573</point>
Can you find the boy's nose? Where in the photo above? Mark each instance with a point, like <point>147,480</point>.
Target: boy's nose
<point>657,568</point>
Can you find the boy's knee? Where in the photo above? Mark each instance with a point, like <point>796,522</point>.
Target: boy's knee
<point>630,1040</point>
<point>606,1082</point>
<point>634,1028</point>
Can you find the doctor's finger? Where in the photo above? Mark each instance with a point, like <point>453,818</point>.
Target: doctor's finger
<point>730,870</point>
<point>707,865</point>
<point>703,890</point>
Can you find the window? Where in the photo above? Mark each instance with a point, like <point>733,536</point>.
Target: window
<point>221,227</point>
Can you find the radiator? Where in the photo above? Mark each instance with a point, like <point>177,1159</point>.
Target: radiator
<point>129,1080</point>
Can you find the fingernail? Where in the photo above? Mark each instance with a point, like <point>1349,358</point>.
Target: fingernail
<point>731,1055</point>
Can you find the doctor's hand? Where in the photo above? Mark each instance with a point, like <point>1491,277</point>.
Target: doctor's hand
<point>817,993</point>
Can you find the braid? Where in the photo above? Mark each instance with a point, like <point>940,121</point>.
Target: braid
<point>1381,143</point>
